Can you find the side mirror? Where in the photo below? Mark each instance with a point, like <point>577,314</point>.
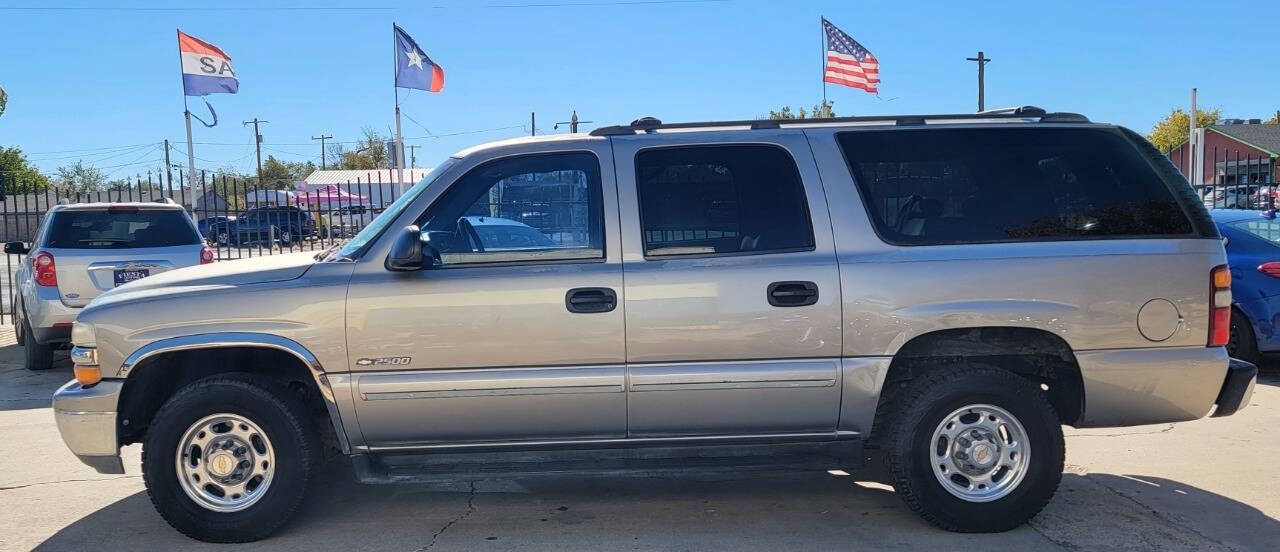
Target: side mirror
<point>16,248</point>
<point>406,251</point>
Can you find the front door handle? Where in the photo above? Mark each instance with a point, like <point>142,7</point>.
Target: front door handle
<point>589,300</point>
<point>793,294</point>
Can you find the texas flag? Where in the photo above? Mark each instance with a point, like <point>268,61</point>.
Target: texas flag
<point>205,68</point>
<point>413,68</point>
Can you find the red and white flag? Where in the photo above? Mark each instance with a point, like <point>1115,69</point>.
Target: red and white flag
<point>848,63</point>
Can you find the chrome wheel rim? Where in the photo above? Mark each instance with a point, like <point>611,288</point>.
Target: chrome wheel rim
<point>223,238</point>
<point>980,453</point>
<point>225,462</point>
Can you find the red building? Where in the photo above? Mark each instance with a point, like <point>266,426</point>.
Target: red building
<point>1236,151</point>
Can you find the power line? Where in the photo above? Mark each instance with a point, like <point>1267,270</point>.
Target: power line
<point>194,8</point>
<point>89,149</point>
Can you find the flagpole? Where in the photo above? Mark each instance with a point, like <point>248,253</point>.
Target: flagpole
<point>399,148</point>
<point>186,110</point>
<point>822,45</point>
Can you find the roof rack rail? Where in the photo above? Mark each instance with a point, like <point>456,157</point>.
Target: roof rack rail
<point>652,124</point>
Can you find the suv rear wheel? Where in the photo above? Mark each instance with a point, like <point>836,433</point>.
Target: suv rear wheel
<point>35,355</point>
<point>229,458</point>
<point>974,449</point>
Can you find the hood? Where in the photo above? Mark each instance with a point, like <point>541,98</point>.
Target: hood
<point>256,270</point>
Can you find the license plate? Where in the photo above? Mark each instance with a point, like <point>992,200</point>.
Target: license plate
<point>126,276</point>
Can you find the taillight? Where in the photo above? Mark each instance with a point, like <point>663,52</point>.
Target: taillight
<point>42,264</point>
<point>1271,269</point>
<point>206,255</point>
<point>1219,306</point>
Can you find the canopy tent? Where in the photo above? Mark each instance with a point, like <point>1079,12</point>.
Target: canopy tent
<point>330,194</point>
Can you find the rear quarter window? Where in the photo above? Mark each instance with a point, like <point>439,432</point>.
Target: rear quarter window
<point>966,185</point>
<point>75,229</point>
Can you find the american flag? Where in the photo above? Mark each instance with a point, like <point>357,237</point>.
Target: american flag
<point>848,63</point>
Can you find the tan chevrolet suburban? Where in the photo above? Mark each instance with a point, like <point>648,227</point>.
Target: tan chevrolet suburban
<point>666,299</point>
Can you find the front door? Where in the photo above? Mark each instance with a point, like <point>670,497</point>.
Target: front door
<point>732,293</point>
<point>518,334</point>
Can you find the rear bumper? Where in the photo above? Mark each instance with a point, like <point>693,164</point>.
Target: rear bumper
<point>47,311</point>
<point>86,418</point>
<point>1126,387</point>
<point>1237,389</point>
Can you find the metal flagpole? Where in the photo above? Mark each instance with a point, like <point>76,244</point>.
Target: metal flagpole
<point>399,153</point>
<point>186,109</point>
<point>822,45</point>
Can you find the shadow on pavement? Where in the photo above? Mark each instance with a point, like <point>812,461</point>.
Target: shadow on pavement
<point>20,388</point>
<point>799,511</point>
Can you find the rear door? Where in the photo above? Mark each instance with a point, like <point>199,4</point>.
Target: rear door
<point>97,249</point>
<point>732,297</point>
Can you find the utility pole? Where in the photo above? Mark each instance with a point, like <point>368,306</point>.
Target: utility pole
<point>982,63</point>
<point>573,123</point>
<point>257,142</point>
<point>321,138</point>
<point>413,155</point>
<point>533,124</point>
<point>168,169</point>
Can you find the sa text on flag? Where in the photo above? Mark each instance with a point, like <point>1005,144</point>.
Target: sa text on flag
<point>413,68</point>
<point>205,68</point>
<point>848,63</point>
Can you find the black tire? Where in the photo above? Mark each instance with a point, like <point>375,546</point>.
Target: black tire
<point>36,356</point>
<point>275,409</point>
<point>919,410</point>
<point>1242,344</point>
<point>286,237</point>
<point>19,335</point>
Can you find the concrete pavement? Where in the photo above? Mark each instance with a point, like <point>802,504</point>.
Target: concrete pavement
<point>1204,485</point>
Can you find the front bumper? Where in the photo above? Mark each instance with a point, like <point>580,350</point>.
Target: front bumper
<point>86,418</point>
<point>1237,388</point>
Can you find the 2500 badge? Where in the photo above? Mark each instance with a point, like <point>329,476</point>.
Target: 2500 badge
<point>384,361</point>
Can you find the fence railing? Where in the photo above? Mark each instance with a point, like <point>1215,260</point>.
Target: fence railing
<point>1235,180</point>
<point>238,217</point>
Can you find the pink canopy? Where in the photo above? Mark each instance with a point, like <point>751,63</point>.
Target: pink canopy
<point>330,194</point>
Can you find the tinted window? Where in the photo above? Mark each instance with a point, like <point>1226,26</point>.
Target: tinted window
<point>941,186</point>
<point>535,207</point>
<point>74,229</point>
<point>721,200</point>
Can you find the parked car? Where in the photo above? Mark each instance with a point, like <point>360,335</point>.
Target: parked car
<point>1242,196</point>
<point>205,224</point>
<point>1252,240</point>
<point>82,250</point>
<point>723,296</point>
<point>346,220</point>
<point>285,224</point>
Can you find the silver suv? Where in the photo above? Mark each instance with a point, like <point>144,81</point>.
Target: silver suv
<point>748,295</point>
<point>82,250</point>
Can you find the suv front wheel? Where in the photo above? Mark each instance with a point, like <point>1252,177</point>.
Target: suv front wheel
<point>974,449</point>
<point>229,458</point>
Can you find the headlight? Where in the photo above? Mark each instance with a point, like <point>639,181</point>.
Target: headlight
<point>83,335</point>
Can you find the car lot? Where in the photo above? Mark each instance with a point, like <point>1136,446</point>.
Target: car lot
<point>1204,485</point>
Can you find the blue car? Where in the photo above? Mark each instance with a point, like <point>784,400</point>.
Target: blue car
<point>1252,239</point>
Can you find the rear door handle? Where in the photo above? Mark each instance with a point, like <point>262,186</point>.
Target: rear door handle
<point>793,294</point>
<point>590,300</point>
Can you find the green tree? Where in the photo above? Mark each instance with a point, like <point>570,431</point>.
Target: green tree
<point>17,175</point>
<point>282,175</point>
<point>370,153</point>
<point>1172,130</point>
<point>820,111</point>
<point>79,178</point>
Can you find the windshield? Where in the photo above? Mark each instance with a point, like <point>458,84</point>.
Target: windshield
<point>393,211</point>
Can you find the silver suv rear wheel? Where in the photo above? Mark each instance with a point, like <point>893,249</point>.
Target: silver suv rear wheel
<point>981,452</point>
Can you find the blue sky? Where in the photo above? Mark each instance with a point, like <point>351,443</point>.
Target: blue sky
<point>86,80</point>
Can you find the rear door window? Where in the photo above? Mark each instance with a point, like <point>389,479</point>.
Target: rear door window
<point>721,200</point>
<point>965,185</point>
<point>106,229</point>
